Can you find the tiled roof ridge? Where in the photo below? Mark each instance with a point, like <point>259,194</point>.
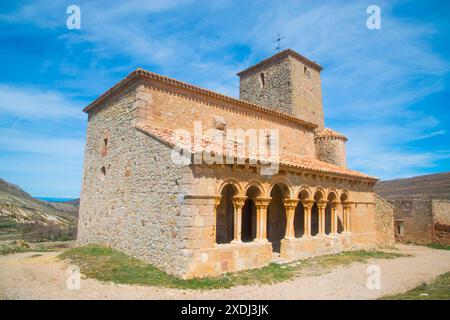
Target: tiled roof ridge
<point>141,73</point>
<point>287,159</point>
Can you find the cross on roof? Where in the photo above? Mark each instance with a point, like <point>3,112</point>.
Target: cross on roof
<point>277,40</point>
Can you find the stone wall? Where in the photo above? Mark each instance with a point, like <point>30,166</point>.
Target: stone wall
<point>384,222</point>
<point>307,94</point>
<point>131,189</point>
<point>275,92</point>
<point>441,211</point>
<point>416,219</point>
<point>174,108</point>
<point>441,219</point>
<point>289,86</point>
<point>331,150</point>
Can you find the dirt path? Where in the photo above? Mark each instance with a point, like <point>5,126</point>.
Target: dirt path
<point>42,276</point>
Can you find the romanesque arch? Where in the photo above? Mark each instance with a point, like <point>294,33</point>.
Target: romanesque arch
<point>249,222</point>
<point>225,214</point>
<point>232,182</point>
<point>287,186</point>
<point>331,200</point>
<point>303,194</point>
<point>276,217</point>
<point>319,197</point>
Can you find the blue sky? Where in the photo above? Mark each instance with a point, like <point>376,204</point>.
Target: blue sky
<point>388,90</point>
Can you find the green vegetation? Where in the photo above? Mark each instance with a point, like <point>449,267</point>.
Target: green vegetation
<point>439,289</point>
<point>109,265</point>
<point>18,246</point>
<point>438,246</point>
<point>13,246</point>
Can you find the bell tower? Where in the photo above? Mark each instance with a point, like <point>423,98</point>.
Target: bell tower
<point>286,82</point>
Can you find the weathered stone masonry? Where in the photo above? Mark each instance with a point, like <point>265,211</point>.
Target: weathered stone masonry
<point>206,219</point>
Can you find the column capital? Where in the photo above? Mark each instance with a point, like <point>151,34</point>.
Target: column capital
<point>262,202</point>
<point>290,203</point>
<point>335,204</point>
<point>308,203</point>
<point>239,201</point>
<point>321,204</point>
<point>347,205</point>
<point>217,201</point>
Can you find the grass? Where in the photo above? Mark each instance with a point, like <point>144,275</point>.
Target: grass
<point>109,265</point>
<point>438,246</point>
<point>439,289</point>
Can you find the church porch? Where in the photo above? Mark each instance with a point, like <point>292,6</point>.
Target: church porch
<point>247,221</point>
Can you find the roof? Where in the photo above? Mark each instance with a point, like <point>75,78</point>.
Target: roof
<point>281,55</point>
<point>168,137</point>
<point>143,74</point>
<point>329,133</point>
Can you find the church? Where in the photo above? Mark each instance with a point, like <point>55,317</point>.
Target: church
<point>283,191</point>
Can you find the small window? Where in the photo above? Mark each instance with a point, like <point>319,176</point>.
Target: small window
<point>306,72</point>
<point>262,79</point>
<point>103,171</point>
<point>406,206</point>
<point>105,147</point>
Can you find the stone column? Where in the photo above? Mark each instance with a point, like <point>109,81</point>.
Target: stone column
<point>347,209</point>
<point>238,203</point>
<point>334,217</point>
<point>290,205</point>
<point>261,218</point>
<point>307,205</point>
<point>216,205</point>
<point>321,205</point>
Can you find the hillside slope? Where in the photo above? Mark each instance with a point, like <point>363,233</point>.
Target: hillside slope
<point>432,186</point>
<point>22,216</point>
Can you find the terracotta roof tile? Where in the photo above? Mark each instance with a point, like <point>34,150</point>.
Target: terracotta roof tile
<point>290,160</point>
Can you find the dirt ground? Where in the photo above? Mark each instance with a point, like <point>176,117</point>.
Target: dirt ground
<point>43,276</point>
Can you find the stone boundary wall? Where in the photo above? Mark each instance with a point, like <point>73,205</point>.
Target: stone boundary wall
<point>384,222</point>
<point>304,248</point>
<point>416,217</point>
<point>442,234</point>
<point>441,218</point>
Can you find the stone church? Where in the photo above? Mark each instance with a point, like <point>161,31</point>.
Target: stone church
<point>203,218</point>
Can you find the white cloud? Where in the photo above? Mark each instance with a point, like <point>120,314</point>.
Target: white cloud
<point>33,104</point>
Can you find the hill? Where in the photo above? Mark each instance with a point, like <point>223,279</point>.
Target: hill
<point>432,186</point>
<point>24,217</point>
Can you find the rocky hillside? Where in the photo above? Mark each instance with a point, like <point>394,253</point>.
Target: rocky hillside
<point>22,216</point>
<point>70,207</point>
<point>433,186</point>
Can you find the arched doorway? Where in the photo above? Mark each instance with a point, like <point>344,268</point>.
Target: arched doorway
<point>340,226</point>
<point>248,232</point>
<point>225,215</point>
<point>276,217</point>
<point>328,212</point>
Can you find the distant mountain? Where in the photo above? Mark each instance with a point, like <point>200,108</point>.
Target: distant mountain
<point>432,186</point>
<point>22,216</point>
